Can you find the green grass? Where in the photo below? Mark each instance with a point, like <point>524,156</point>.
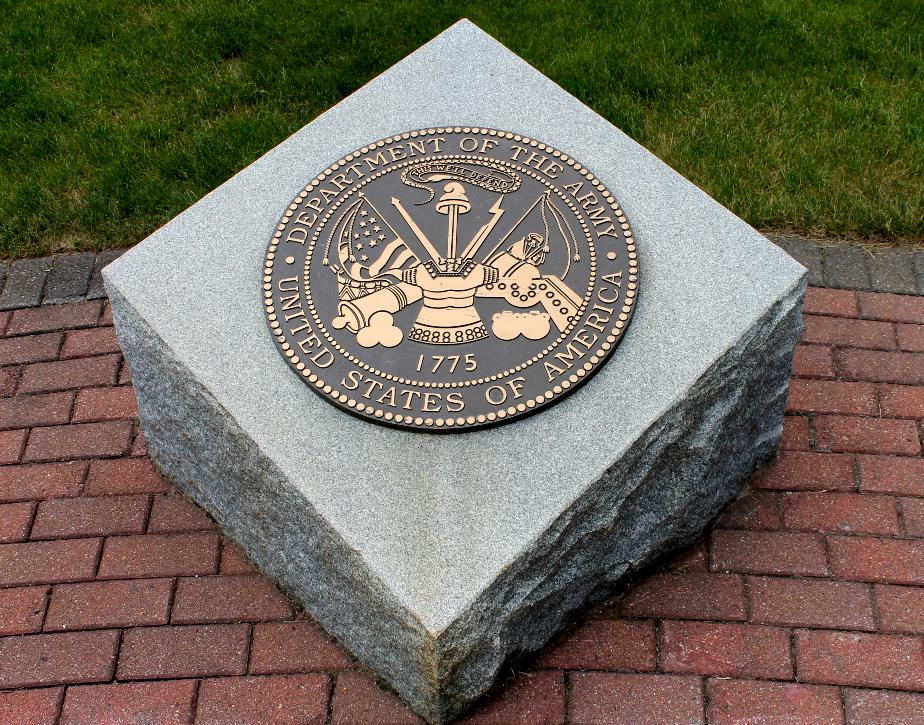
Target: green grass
<point>117,114</point>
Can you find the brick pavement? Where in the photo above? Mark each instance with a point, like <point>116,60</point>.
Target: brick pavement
<point>120,601</point>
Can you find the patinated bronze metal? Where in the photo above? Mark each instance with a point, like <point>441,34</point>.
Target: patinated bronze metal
<point>450,278</point>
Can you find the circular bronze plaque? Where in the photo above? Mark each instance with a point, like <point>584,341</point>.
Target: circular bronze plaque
<point>450,278</point>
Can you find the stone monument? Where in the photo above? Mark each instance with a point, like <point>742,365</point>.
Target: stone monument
<point>393,359</point>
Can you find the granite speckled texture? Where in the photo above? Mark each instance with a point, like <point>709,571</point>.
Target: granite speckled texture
<point>435,558</point>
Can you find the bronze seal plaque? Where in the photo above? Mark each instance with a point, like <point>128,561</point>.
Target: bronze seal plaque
<point>450,278</point>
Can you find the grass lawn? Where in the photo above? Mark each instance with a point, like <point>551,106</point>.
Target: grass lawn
<point>117,114</point>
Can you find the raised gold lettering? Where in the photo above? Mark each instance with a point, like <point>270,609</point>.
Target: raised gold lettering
<point>495,395</point>
<point>552,371</point>
<point>289,302</point>
<point>430,400</point>
<point>319,356</point>
<point>297,235</point>
<point>372,386</point>
<point>388,398</point>
<point>409,395</point>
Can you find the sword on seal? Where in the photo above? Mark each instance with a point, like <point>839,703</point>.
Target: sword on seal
<point>421,237</point>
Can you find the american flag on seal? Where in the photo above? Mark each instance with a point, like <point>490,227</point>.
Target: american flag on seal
<point>370,254</point>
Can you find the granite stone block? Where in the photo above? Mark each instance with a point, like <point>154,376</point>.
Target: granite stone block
<point>435,559</point>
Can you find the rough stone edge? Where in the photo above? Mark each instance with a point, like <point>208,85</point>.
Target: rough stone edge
<point>284,536</point>
<point>573,562</point>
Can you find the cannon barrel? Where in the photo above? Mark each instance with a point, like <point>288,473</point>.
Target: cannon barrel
<point>395,298</point>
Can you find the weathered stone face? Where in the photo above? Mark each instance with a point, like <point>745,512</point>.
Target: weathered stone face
<point>434,558</point>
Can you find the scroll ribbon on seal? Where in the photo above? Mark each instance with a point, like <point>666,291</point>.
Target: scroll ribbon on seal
<point>494,178</point>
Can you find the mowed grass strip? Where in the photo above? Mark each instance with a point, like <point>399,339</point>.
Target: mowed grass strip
<point>117,114</point>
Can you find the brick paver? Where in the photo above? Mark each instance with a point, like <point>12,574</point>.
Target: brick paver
<point>54,317</point>
<point>604,644</point>
<point>808,471</point>
<point>22,609</point>
<point>813,361</point>
<point>12,443</point>
<point>63,518</point>
<point>845,332</point>
<point>37,660</point>
<point>604,698</point>
<point>753,510</point>
<point>759,552</point>
<point>24,283</point>
<point>538,698</point>
<point>233,560</point>
<point>688,596</point>
<point>153,653</point>
<point>288,647</point>
<point>357,699</point>
<point>806,602</point>
<point>120,601</point>
<point>41,481</point>
<point>282,700</point>
<point>228,599</point>
<point>877,560</point>
<point>96,404</point>
<point>158,555</point>
<point>165,703</point>
<point>80,440</point>
<point>866,435</point>
<point>27,411</point>
<point>29,349</point>
<point>69,278</point>
<point>735,702</point>
<point>860,659</point>
<point>727,650</point>
<point>175,514</point>
<point>823,301</point>
<point>900,608</point>
<point>8,379</point>
<point>893,308</point>
<point>92,605</point>
<point>841,512</point>
<point>888,474</point>
<point>30,707</point>
<point>45,562</point>
<point>832,396</point>
<point>15,521</point>
<point>123,475</point>
<point>901,401</point>
<point>881,707</point>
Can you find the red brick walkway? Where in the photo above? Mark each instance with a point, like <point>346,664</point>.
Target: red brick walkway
<point>121,603</point>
